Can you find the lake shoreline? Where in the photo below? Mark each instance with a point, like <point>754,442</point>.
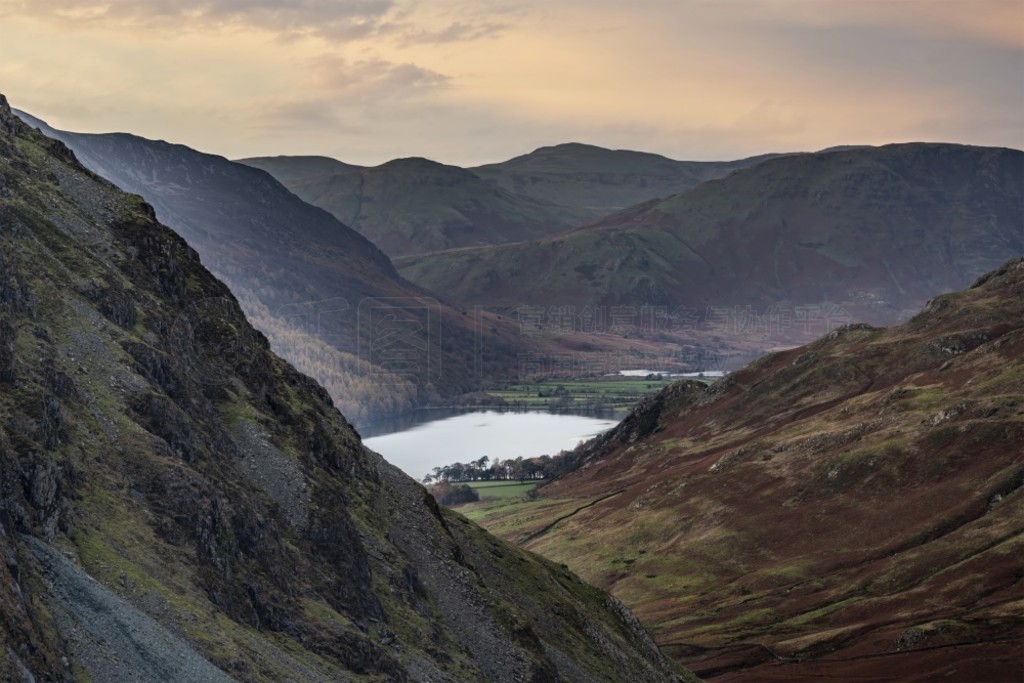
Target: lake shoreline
<point>438,440</point>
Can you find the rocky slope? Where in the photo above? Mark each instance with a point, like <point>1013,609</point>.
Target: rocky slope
<point>867,234</point>
<point>851,509</point>
<point>412,206</point>
<point>178,503</point>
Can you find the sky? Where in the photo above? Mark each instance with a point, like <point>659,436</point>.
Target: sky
<point>476,81</point>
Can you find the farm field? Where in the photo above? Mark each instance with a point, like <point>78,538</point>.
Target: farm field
<point>503,489</point>
<point>613,393</point>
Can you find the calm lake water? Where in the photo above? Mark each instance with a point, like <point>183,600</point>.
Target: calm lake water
<point>462,438</point>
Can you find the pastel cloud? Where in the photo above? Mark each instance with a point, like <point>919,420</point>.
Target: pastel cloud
<point>328,18</point>
<point>471,81</point>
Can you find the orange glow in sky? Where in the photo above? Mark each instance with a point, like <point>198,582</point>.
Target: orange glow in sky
<point>476,81</point>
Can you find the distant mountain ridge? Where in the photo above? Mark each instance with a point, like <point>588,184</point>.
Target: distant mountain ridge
<point>873,232</point>
<point>414,206</point>
<point>596,181</point>
<point>411,206</point>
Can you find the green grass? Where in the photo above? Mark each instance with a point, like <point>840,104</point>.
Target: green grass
<point>502,489</point>
<point>514,518</point>
<point>611,393</point>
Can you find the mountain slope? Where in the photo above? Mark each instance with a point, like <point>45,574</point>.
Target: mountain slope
<point>848,509</point>
<point>287,169</point>
<point>316,287</point>
<point>411,206</point>
<point>868,232</point>
<point>594,181</point>
<point>178,503</point>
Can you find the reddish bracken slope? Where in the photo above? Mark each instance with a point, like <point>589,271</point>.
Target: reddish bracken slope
<point>847,510</point>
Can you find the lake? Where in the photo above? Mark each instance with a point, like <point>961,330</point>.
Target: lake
<point>417,450</point>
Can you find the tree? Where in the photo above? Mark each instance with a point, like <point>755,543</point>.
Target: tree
<point>451,495</point>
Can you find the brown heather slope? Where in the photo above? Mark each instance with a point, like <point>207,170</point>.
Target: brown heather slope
<point>847,510</point>
<point>177,503</point>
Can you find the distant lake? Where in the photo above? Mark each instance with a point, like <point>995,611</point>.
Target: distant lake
<point>461,438</point>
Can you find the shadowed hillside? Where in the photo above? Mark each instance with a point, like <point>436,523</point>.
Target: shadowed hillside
<point>412,206</point>
<point>865,234</point>
<point>415,206</point>
<point>594,181</point>
<point>328,299</point>
<point>179,504</point>
<point>843,510</point>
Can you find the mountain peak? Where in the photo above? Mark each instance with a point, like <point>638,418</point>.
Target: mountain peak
<point>11,123</point>
<point>413,163</point>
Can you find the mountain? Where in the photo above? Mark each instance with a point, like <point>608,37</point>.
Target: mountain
<point>594,181</point>
<point>864,234</point>
<point>288,169</point>
<point>328,299</point>
<point>178,503</point>
<point>415,206</point>
<point>850,509</point>
<point>412,206</point>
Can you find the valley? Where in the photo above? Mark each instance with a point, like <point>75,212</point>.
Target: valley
<point>387,341</point>
<point>710,510</point>
<point>333,305</point>
<point>851,505</point>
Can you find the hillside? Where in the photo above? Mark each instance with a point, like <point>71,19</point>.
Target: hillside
<point>866,234</point>
<point>412,206</point>
<point>415,206</point>
<point>594,181</point>
<point>287,169</point>
<point>847,510</point>
<point>314,286</point>
<point>178,503</point>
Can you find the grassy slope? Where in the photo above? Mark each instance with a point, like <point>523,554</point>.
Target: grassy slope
<point>415,206</point>
<point>151,435</point>
<point>412,206</point>
<point>854,498</point>
<point>875,231</point>
<point>594,181</point>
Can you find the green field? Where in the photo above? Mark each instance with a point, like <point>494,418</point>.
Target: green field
<point>610,393</point>
<point>502,489</point>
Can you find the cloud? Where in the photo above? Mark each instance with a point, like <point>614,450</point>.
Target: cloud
<point>455,32</point>
<point>329,19</point>
<point>350,98</point>
<point>890,60</point>
<point>303,114</point>
<point>471,81</point>
<point>371,80</point>
<point>332,19</point>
